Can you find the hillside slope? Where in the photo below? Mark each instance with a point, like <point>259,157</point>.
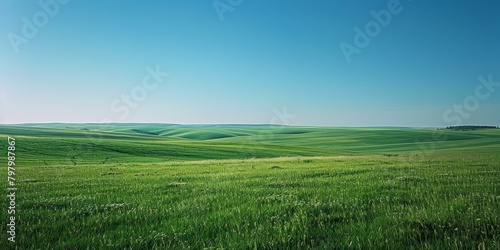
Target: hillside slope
<point>77,144</point>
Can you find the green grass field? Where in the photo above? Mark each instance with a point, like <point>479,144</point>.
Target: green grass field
<point>159,186</point>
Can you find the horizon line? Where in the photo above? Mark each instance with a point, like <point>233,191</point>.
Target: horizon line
<point>238,124</point>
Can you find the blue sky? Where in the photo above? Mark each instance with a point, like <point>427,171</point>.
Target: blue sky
<point>264,57</point>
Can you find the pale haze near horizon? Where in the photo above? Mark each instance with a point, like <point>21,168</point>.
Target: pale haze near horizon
<point>89,60</point>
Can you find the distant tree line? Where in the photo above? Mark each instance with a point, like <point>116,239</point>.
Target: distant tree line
<point>470,127</point>
<point>140,131</point>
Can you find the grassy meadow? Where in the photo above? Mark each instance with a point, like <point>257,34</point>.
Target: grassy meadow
<point>161,186</point>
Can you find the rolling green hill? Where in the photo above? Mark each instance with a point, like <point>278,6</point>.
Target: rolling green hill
<point>76,144</point>
<point>166,186</point>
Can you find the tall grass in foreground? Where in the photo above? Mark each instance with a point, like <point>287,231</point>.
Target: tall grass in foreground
<point>448,201</point>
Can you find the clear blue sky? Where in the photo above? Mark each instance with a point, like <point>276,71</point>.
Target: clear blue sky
<point>262,57</point>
